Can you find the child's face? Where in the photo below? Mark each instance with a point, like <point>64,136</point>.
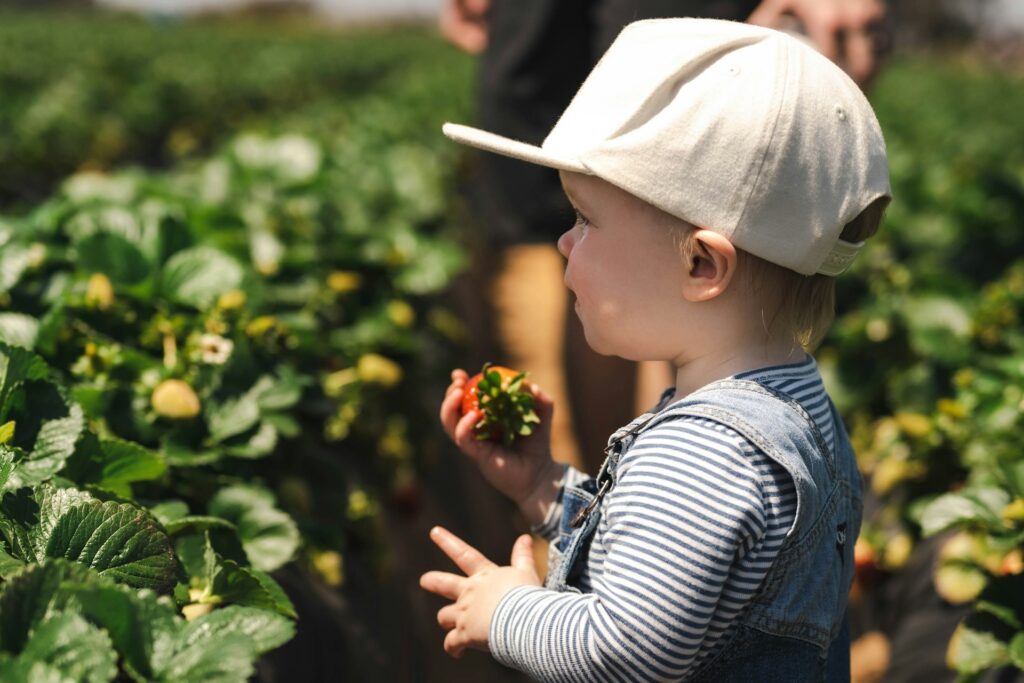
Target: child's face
<point>626,272</point>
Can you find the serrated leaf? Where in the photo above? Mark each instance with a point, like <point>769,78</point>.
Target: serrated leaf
<point>242,586</point>
<point>18,329</point>
<point>18,670</point>
<point>114,256</point>
<point>119,540</point>
<point>53,504</point>
<point>144,630</point>
<point>223,658</point>
<point>73,646</point>
<point>32,594</point>
<point>7,455</point>
<point>19,512</point>
<point>17,365</point>
<point>269,536</point>
<point>199,275</point>
<point>267,630</point>
<point>54,444</point>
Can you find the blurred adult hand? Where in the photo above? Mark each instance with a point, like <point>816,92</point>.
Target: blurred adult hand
<point>852,33</point>
<point>464,24</point>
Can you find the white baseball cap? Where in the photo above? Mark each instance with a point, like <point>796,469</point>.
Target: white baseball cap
<point>739,129</point>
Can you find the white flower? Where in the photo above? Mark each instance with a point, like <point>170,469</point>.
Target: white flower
<point>215,349</point>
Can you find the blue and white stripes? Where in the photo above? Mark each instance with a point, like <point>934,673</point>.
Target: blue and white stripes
<point>685,538</point>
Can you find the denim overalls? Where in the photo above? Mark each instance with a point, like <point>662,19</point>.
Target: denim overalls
<point>795,628</point>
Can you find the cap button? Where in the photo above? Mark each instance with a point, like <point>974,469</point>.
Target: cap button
<point>840,112</point>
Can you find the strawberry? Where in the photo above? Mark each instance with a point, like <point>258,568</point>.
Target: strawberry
<point>504,398</point>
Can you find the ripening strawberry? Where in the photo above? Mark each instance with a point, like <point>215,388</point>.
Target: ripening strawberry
<point>504,398</point>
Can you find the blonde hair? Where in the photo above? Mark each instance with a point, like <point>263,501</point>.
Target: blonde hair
<point>799,306</point>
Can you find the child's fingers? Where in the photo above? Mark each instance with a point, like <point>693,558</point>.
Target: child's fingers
<point>453,644</point>
<point>522,554</point>
<point>447,617</point>
<point>544,404</point>
<point>445,584</point>
<point>458,381</point>
<point>451,411</point>
<point>463,433</point>
<point>466,557</point>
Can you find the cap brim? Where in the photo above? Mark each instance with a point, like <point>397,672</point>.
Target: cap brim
<point>481,139</point>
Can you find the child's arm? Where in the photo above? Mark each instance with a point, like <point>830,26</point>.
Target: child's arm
<point>681,515</point>
<point>525,473</point>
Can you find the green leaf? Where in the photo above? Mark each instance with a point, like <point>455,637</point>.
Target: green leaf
<point>114,256</point>
<point>112,464</point>
<point>233,417</point>
<point>267,630</point>
<point>125,462</point>
<point>19,512</point>
<point>192,524</point>
<point>54,444</point>
<point>956,509</point>
<point>281,393</point>
<point>17,365</point>
<point>1016,650</point>
<point>53,504</point>
<point>18,670</point>
<point>7,431</point>
<point>31,595</point>
<point>239,585</point>
<point>14,261</point>
<point>977,645</point>
<point>7,455</point>
<point>259,444</point>
<point>118,540</point>
<point>939,327</point>
<point>8,564</point>
<point>144,629</point>
<point>269,536</point>
<point>433,267</point>
<point>224,657</point>
<point>199,275</point>
<point>73,646</point>
<point>169,511</point>
<point>18,329</point>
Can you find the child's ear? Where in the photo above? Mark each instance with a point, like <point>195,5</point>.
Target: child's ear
<point>711,266</point>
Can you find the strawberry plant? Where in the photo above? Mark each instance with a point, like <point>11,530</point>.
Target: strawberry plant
<point>925,358</point>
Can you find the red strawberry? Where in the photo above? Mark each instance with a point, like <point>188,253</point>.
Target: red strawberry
<point>504,398</point>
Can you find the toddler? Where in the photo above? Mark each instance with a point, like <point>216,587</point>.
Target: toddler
<point>722,175</point>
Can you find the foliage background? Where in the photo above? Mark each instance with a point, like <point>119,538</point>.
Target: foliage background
<point>332,172</point>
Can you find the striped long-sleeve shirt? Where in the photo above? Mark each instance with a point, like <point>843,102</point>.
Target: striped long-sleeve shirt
<point>686,536</point>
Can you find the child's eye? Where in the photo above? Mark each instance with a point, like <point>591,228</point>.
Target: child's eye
<point>582,220</point>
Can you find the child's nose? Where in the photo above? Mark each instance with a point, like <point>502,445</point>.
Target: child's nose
<point>565,243</point>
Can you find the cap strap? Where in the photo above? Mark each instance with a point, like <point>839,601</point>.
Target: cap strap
<point>840,258</point>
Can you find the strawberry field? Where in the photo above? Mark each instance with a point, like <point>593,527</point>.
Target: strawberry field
<point>226,259</point>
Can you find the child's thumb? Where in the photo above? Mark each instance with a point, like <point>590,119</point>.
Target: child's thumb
<point>522,553</point>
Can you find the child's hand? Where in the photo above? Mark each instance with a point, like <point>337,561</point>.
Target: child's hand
<point>476,595</point>
<point>518,472</point>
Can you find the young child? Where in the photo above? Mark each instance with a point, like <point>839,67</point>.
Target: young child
<point>722,175</point>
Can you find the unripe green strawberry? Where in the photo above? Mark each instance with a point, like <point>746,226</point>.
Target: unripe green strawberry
<point>175,399</point>
<point>504,398</point>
